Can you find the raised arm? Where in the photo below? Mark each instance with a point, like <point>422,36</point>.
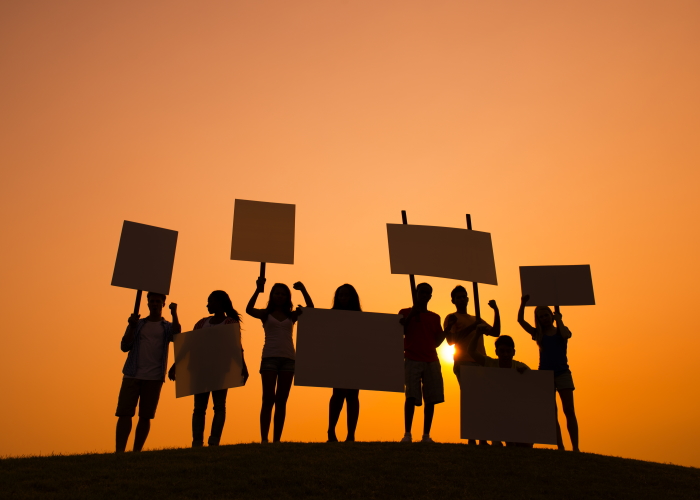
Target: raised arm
<point>521,317</point>
<point>175,322</point>
<point>561,327</point>
<point>307,298</point>
<point>250,308</point>
<point>495,330</point>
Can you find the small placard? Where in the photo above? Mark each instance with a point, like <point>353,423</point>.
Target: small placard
<point>263,232</point>
<point>145,258</point>
<point>557,285</point>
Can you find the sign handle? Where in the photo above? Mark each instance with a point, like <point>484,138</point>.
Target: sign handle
<point>410,276</point>
<point>137,305</point>
<point>556,309</point>
<point>477,306</point>
<point>262,269</point>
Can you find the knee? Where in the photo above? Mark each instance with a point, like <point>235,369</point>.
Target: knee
<point>281,400</point>
<point>220,408</point>
<point>268,400</point>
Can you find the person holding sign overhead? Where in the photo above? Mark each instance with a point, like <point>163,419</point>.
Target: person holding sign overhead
<point>552,337</point>
<point>219,304</point>
<point>277,365</point>
<point>147,341</point>
<point>346,299</point>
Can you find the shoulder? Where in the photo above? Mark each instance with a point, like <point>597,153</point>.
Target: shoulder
<point>433,317</point>
<point>490,362</point>
<point>405,312</point>
<point>229,321</point>
<point>520,364</point>
<point>200,323</point>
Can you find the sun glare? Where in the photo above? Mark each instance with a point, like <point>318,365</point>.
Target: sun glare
<point>446,352</point>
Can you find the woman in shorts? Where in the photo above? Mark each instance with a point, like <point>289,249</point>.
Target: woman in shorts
<point>277,366</point>
<point>552,337</point>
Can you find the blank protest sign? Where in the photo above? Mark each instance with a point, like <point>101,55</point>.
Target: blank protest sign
<point>208,359</point>
<point>500,404</point>
<point>145,258</point>
<point>349,350</point>
<point>444,252</point>
<point>263,232</point>
<point>557,285</point>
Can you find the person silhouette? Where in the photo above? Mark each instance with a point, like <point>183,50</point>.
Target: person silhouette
<point>552,337</point>
<point>219,304</point>
<point>277,364</point>
<point>346,299</point>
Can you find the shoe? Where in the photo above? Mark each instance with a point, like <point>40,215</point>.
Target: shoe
<point>427,439</point>
<point>407,438</point>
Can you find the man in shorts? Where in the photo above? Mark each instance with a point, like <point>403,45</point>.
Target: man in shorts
<point>147,341</point>
<point>422,335</point>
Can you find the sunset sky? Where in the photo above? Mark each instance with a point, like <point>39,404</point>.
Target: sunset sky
<point>569,130</point>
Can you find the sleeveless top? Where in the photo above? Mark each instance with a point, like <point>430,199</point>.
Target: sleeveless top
<point>278,338</point>
<point>553,354</point>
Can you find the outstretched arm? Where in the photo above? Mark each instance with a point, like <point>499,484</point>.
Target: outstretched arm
<point>250,308</point>
<point>521,317</point>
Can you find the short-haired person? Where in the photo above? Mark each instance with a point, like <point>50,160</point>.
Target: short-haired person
<point>278,356</point>
<point>147,341</point>
<point>463,330</point>
<point>346,299</point>
<point>505,352</point>
<point>552,337</point>
<point>219,304</point>
<point>422,335</point>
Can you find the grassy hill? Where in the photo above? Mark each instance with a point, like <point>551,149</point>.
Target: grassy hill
<point>345,470</point>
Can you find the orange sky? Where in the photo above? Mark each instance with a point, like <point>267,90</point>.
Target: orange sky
<point>569,131</point>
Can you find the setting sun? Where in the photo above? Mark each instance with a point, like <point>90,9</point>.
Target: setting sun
<point>446,352</point>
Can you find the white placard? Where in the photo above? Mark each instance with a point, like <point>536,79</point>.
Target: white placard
<point>349,350</point>
<point>263,232</point>
<point>145,258</point>
<point>557,285</point>
<point>444,252</point>
<point>501,404</point>
<point>208,359</point>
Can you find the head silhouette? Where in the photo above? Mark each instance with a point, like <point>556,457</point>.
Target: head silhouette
<point>460,298</point>
<point>346,298</point>
<point>544,319</point>
<point>505,347</point>
<point>280,299</point>
<point>424,292</point>
<point>220,302</point>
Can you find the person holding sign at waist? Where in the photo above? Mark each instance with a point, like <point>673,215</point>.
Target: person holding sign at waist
<point>552,337</point>
<point>277,365</point>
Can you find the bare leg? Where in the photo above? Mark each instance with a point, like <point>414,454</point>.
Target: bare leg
<point>353,399</point>
<point>560,441</point>
<point>567,404</point>
<point>428,413</point>
<point>334,408</point>
<point>409,409</point>
<point>269,381</point>
<point>284,385</point>
<point>123,431</point>
<point>142,429</point>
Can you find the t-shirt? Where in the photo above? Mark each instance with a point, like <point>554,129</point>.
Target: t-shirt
<point>149,365</point>
<point>493,363</point>
<point>420,336</point>
<point>206,322</point>
<point>461,347</point>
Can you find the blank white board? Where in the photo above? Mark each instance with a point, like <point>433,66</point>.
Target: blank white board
<point>444,252</point>
<point>263,232</point>
<point>500,404</point>
<point>145,258</point>
<point>208,359</point>
<point>349,350</point>
<point>557,285</point>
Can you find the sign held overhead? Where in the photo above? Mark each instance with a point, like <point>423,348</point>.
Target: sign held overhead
<point>557,285</point>
<point>443,252</point>
<point>263,232</point>
<point>145,258</point>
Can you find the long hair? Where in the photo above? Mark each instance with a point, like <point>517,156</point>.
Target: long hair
<point>224,299</point>
<point>354,304</point>
<point>538,325</point>
<point>287,306</point>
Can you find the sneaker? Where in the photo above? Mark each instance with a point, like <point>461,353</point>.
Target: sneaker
<point>407,438</point>
<point>427,439</point>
